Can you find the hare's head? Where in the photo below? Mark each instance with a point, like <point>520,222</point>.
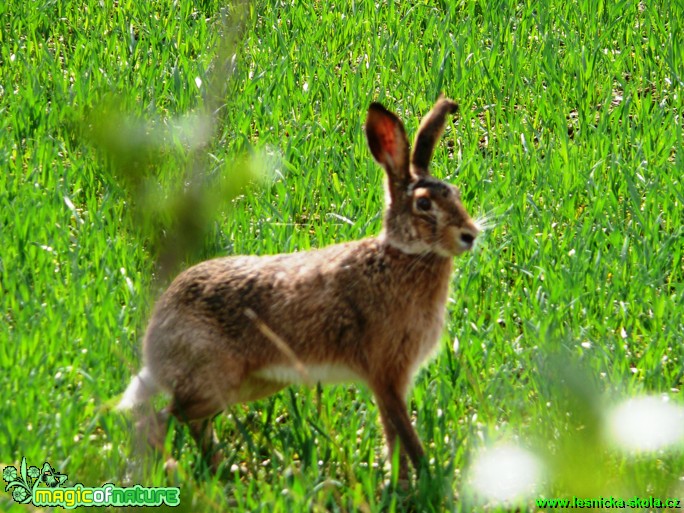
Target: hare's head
<point>424,215</point>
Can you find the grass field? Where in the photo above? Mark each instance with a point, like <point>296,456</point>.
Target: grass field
<point>126,126</point>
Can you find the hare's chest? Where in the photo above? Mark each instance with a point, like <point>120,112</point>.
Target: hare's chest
<point>426,338</point>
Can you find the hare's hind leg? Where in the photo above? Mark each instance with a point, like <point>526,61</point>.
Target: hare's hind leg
<point>150,432</point>
<point>154,425</point>
<point>200,423</point>
<point>203,433</point>
<point>197,410</point>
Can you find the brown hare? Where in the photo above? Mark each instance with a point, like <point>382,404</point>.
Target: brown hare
<point>240,328</point>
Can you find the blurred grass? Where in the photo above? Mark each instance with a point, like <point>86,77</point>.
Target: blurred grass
<point>570,136</point>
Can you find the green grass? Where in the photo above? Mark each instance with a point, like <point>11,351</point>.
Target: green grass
<point>569,138</point>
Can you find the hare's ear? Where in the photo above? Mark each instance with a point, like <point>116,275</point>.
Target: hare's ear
<point>389,146</point>
<point>430,130</point>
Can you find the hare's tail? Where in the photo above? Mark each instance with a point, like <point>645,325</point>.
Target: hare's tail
<point>142,388</point>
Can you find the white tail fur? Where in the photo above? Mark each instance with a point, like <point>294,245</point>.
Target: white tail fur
<point>142,388</point>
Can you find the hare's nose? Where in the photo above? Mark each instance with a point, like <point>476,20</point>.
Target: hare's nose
<point>467,238</point>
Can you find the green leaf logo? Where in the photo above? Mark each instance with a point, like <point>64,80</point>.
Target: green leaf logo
<point>23,482</point>
<point>9,474</point>
<point>52,478</point>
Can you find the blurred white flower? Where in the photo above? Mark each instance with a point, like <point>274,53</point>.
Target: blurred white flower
<point>505,473</point>
<point>646,424</point>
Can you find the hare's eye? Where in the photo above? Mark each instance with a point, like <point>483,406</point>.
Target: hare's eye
<point>423,203</point>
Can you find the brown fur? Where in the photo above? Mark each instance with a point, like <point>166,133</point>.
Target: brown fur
<point>374,307</point>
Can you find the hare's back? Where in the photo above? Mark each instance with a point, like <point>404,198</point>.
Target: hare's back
<point>320,298</point>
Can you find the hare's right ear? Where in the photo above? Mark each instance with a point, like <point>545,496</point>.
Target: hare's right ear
<point>430,130</point>
<point>389,146</point>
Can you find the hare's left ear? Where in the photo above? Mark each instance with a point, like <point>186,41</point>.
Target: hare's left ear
<point>389,146</point>
<point>430,130</point>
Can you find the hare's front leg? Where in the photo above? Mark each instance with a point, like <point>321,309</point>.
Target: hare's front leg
<point>397,423</point>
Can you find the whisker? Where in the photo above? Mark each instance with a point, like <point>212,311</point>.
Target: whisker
<point>488,220</point>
